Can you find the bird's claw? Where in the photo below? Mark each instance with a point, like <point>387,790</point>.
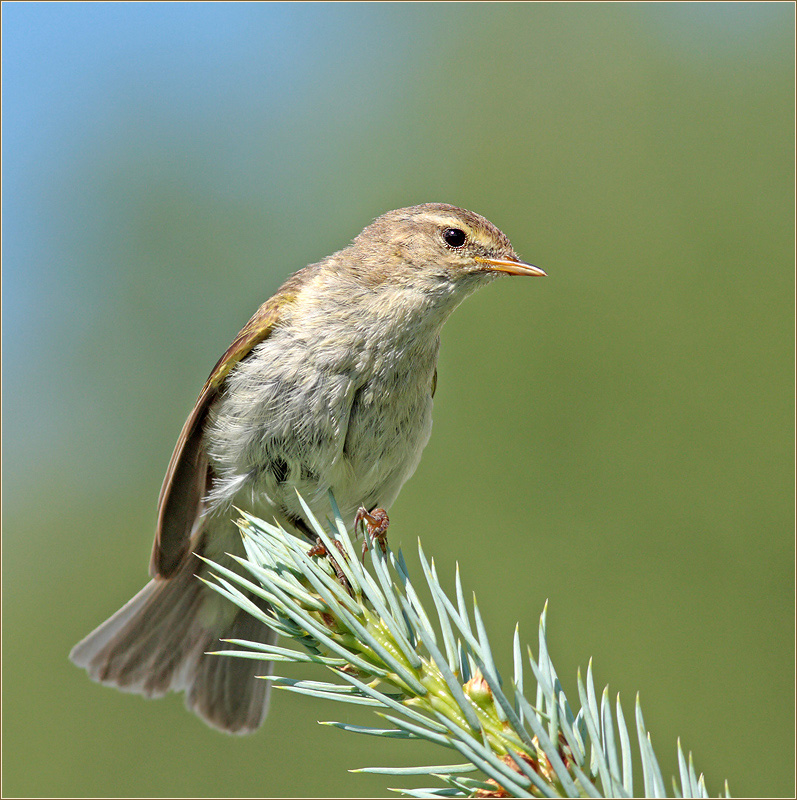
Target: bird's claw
<point>376,523</point>
<point>319,550</point>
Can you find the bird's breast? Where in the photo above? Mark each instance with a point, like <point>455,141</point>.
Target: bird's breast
<point>312,414</point>
<point>389,424</point>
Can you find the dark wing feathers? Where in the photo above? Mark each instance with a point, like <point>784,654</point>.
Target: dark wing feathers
<point>188,475</point>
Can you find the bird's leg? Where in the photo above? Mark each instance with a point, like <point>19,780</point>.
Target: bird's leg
<point>319,550</point>
<point>376,523</point>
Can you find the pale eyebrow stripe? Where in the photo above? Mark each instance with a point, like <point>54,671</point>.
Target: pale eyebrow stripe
<point>476,235</point>
<point>451,222</point>
<point>444,220</point>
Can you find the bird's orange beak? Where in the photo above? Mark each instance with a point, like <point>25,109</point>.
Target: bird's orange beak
<point>511,267</point>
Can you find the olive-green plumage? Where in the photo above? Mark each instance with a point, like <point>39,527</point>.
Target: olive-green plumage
<point>328,386</point>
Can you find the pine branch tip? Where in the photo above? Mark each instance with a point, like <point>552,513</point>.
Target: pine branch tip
<point>423,673</point>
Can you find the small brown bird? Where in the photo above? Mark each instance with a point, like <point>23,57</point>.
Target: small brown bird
<point>328,386</point>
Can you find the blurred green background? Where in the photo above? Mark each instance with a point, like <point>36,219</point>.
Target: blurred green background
<point>617,438</point>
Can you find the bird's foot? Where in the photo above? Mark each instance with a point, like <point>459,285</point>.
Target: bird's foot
<point>376,523</point>
<point>319,550</point>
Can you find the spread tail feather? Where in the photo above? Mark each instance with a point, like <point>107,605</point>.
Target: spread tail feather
<point>158,642</point>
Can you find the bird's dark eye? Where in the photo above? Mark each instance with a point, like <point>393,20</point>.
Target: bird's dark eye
<point>454,237</point>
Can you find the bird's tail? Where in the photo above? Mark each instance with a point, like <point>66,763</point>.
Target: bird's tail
<point>158,642</point>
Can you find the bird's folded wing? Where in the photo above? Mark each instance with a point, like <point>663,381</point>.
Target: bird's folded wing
<point>188,475</point>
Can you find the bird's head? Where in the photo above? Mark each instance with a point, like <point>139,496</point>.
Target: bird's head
<point>436,243</point>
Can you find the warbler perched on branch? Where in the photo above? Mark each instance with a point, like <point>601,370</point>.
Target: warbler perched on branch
<point>328,387</point>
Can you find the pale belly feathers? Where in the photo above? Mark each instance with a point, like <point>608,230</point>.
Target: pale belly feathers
<point>295,417</point>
